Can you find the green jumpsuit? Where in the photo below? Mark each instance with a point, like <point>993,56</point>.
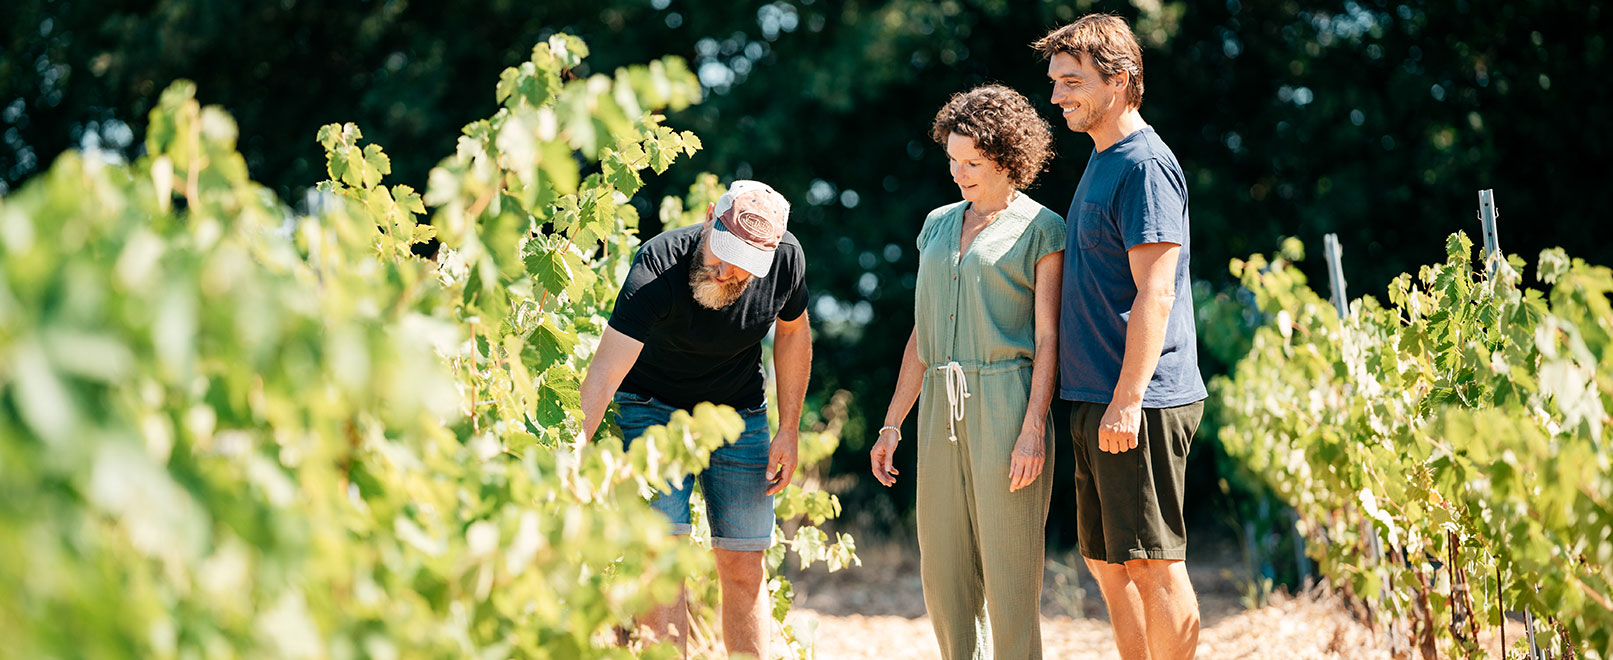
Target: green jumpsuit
<point>981,547</point>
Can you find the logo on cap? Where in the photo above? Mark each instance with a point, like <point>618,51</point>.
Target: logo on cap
<point>750,221</point>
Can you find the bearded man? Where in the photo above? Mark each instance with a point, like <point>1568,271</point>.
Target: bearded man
<point>688,327</point>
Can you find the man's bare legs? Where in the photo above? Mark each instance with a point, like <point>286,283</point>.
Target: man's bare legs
<point>1169,606</point>
<point>1125,608</point>
<point>668,621</point>
<point>1151,606</point>
<point>745,609</point>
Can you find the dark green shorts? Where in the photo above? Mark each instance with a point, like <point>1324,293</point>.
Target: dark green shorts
<point>1129,505</point>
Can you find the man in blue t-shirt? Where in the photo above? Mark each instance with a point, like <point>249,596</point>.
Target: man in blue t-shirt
<point>1128,358</point>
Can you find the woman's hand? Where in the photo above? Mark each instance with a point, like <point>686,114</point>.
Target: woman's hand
<point>1029,455</point>
<point>883,455</point>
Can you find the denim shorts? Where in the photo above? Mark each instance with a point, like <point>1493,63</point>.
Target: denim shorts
<point>735,485</point>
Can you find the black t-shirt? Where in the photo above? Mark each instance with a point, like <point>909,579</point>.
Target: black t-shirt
<point>691,353</point>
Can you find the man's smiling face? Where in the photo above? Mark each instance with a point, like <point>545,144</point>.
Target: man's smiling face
<point>1087,100</point>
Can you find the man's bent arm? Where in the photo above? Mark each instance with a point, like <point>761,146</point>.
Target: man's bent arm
<point>615,357</point>
<point>1153,268</point>
<point>792,360</point>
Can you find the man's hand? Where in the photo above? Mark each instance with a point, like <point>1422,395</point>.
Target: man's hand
<point>1117,432</point>
<point>1030,454</point>
<point>781,460</point>
<point>1153,269</point>
<point>792,361</point>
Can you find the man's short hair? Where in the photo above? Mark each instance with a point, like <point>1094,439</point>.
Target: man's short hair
<point>1108,40</point>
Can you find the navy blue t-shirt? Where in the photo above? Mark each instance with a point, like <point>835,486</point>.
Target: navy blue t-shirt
<point>1132,193</point>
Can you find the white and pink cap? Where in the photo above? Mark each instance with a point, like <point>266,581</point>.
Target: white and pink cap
<point>749,222</point>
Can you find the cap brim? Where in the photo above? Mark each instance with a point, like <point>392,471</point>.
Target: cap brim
<point>745,256</point>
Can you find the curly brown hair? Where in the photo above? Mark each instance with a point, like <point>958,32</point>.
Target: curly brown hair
<point>1004,127</point>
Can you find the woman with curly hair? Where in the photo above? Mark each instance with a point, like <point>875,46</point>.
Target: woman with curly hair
<point>983,352</point>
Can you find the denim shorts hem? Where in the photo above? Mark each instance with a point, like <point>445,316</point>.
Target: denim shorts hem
<point>681,529</point>
<point>742,545</point>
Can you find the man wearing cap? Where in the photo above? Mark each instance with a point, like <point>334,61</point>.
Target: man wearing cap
<point>688,327</point>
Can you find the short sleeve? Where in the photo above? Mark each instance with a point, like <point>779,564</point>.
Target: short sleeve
<point>643,301</point>
<point>796,303</point>
<point>1047,235</point>
<point>1153,205</point>
<point>925,231</point>
<point>932,224</point>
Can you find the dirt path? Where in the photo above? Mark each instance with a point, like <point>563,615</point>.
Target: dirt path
<point>1291,628</point>
<point>877,611</point>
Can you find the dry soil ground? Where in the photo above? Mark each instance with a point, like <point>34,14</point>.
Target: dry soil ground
<point>877,611</point>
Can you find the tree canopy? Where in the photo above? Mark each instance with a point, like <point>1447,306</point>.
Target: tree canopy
<point>1375,120</point>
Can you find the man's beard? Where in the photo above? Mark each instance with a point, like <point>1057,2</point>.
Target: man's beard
<point>1092,116</point>
<point>710,293</point>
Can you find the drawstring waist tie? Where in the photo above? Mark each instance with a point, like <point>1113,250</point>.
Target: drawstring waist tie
<point>957,385</point>
<point>957,391</point>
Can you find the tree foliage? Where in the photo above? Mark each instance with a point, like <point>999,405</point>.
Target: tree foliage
<point>1368,118</point>
<point>232,429</point>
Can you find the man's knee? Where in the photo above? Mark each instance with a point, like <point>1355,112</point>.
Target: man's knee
<point>1152,573</point>
<point>742,569</point>
<point>1107,574</point>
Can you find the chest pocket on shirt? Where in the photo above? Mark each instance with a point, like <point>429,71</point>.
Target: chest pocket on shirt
<point>1092,226</point>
